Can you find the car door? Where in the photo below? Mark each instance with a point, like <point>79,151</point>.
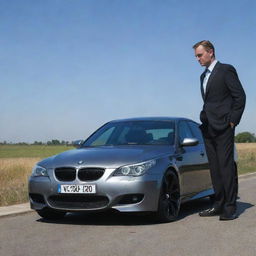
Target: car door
<point>192,162</point>
<point>205,176</point>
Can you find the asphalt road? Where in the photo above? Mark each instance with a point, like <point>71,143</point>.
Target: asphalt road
<point>114,234</point>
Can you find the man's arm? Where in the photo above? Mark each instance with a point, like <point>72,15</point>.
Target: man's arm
<point>237,94</point>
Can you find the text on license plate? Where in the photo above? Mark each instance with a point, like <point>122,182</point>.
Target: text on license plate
<point>77,189</point>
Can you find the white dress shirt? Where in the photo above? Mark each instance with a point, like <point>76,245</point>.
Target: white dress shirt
<point>208,73</point>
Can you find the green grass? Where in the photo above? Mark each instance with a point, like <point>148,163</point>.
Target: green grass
<point>42,151</point>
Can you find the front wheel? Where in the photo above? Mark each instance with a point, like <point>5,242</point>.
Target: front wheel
<point>50,214</point>
<point>169,199</point>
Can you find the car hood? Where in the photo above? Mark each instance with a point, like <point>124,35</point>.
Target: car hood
<point>106,156</point>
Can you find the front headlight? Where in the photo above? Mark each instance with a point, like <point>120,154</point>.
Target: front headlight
<point>135,169</point>
<point>39,171</point>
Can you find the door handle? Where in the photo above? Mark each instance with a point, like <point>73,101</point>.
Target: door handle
<point>202,153</point>
<point>179,158</point>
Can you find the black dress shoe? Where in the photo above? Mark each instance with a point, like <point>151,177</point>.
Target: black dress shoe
<point>210,212</point>
<point>228,216</point>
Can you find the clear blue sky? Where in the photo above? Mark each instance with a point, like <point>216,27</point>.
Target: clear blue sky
<point>69,66</point>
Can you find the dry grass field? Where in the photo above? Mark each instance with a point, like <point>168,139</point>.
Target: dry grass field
<point>16,163</point>
<point>14,171</point>
<point>246,157</point>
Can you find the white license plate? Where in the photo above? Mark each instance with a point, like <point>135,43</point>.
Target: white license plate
<point>77,189</point>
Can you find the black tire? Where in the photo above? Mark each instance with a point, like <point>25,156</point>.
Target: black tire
<point>50,214</point>
<point>169,199</point>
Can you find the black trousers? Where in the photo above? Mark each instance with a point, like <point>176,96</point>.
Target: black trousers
<point>220,152</point>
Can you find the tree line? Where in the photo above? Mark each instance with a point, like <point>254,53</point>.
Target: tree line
<point>243,137</point>
<point>54,142</point>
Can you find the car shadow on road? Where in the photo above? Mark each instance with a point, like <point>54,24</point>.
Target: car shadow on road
<point>114,218</point>
<point>108,218</point>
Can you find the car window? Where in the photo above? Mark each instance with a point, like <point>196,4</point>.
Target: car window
<point>103,138</point>
<point>133,133</point>
<point>184,131</point>
<point>196,131</point>
<point>158,134</point>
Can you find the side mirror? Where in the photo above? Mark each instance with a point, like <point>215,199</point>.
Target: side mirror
<point>77,143</point>
<point>188,142</point>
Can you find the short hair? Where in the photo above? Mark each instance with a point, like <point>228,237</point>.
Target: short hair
<point>206,44</point>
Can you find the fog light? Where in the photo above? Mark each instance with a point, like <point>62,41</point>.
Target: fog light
<point>131,199</point>
<point>37,198</point>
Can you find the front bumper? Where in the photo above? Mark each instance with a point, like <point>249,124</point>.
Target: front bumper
<point>125,194</point>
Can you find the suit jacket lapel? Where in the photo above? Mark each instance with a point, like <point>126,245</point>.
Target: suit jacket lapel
<point>213,73</point>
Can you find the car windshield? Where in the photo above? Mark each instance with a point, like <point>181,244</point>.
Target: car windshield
<point>133,133</point>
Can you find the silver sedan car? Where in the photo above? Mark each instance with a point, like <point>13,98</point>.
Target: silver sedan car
<point>130,165</point>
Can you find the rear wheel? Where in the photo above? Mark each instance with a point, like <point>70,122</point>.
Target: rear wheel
<point>50,214</point>
<point>169,199</point>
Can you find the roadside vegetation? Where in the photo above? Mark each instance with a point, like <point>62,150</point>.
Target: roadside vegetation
<point>246,157</point>
<point>42,151</point>
<point>17,161</point>
<point>14,173</point>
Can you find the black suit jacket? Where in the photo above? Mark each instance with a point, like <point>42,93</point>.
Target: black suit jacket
<point>224,99</point>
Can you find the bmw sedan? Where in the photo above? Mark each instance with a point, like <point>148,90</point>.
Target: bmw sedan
<point>131,165</point>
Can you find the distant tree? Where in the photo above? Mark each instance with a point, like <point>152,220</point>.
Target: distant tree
<point>245,137</point>
<point>22,143</point>
<point>55,142</point>
<point>38,143</point>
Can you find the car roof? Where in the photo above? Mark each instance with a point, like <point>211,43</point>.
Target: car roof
<point>155,118</point>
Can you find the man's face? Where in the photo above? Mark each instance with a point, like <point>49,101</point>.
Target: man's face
<point>204,57</point>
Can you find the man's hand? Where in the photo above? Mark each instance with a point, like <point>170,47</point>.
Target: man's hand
<point>232,125</point>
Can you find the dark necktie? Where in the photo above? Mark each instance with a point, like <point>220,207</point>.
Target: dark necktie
<point>202,82</point>
<point>204,73</point>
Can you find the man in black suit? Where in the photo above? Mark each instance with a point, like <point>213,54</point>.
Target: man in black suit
<point>224,102</point>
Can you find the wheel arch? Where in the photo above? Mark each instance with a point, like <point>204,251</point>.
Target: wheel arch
<point>164,202</point>
<point>174,169</point>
